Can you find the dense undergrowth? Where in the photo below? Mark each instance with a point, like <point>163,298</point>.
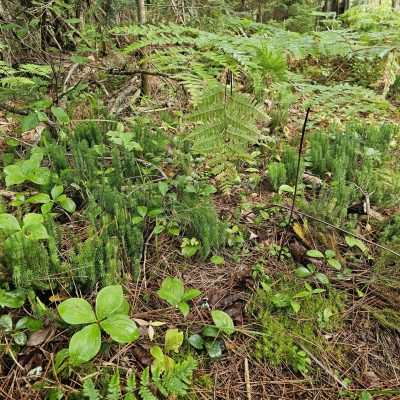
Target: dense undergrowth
<point>167,209</point>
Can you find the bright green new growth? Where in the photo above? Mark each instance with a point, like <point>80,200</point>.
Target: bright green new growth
<point>173,292</point>
<point>111,316</point>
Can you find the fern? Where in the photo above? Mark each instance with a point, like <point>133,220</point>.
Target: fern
<point>144,390</point>
<point>90,391</point>
<point>178,380</point>
<point>16,82</point>
<point>227,124</point>
<point>113,388</point>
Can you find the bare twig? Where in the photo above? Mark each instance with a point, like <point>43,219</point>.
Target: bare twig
<point>247,378</point>
<point>13,110</point>
<point>324,367</point>
<point>140,72</point>
<point>338,229</point>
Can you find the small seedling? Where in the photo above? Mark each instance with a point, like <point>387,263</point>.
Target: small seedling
<point>173,292</point>
<point>28,170</point>
<point>111,316</point>
<point>190,247</point>
<point>17,332</point>
<point>209,338</point>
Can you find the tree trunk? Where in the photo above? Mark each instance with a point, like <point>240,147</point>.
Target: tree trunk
<point>141,11</point>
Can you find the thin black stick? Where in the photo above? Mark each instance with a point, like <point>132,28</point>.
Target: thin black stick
<point>303,134</point>
<point>338,228</point>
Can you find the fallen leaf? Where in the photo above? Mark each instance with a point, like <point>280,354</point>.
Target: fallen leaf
<point>39,337</point>
<point>151,333</point>
<point>57,297</point>
<point>141,322</point>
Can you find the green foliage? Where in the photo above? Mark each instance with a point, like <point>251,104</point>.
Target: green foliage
<point>28,170</point>
<point>112,387</point>
<point>189,247</point>
<point>280,307</point>
<point>277,174</point>
<point>227,124</point>
<point>17,332</point>
<point>111,316</point>
<point>198,218</point>
<point>357,161</point>
<point>173,291</point>
<point>29,252</point>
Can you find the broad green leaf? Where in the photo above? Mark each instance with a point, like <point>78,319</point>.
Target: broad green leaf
<point>29,122</point>
<point>335,264</point>
<point>354,242</point>
<point>314,254</point>
<point>137,220</point>
<point>214,349</point>
<point>85,344</point>
<point>191,294</point>
<point>108,301</point>
<point>32,219</point>
<point>36,232</point>
<point>20,338</point>
<point>302,272</point>
<point>173,340</point>
<point>322,278</point>
<point>285,188</point>
<point>56,191</point>
<point>210,331</point>
<point>14,175</point>
<point>223,321</point>
<point>163,188</point>
<point>66,203</point>
<point>189,251</point>
<point>157,353</point>
<point>60,114</point>
<point>121,328</point>
<point>184,308</point>
<point>196,341</point>
<point>9,224</point>
<point>217,260</point>
<point>46,208</point>
<point>29,323</point>
<point>6,323</point>
<point>365,395</point>
<point>155,212</point>
<point>330,254</point>
<point>172,290</point>
<point>40,176</point>
<point>40,198</point>
<point>14,299</point>
<point>76,311</point>
<point>124,308</point>
<point>142,211</point>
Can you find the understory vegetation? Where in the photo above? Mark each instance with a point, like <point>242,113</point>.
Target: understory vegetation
<point>199,200</point>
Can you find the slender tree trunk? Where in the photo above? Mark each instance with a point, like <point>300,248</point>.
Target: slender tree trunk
<point>141,10</point>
